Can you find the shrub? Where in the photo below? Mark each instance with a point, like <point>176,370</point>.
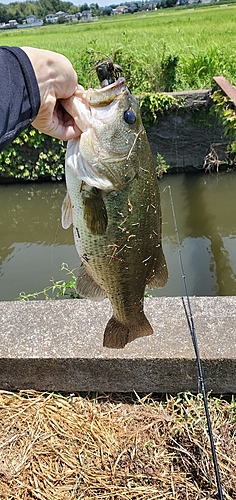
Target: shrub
<point>33,155</point>
<point>226,113</point>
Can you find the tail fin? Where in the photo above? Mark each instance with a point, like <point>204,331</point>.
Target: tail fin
<point>118,334</point>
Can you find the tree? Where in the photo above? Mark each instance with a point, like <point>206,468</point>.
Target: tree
<point>106,11</point>
<point>84,6</point>
<point>171,3</point>
<point>3,13</point>
<point>94,7</point>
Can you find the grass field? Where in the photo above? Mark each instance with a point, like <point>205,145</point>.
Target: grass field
<point>167,49</point>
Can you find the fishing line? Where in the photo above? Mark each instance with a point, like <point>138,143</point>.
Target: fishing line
<point>54,244</point>
<point>190,321</point>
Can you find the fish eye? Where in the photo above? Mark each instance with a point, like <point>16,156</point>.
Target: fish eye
<point>129,117</point>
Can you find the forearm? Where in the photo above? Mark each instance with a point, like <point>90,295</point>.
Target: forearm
<point>19,94</point>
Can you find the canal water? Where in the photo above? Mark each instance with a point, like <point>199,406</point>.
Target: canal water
<point>33,244</point>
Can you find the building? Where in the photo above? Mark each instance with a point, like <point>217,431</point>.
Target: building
<point>30,22</point>
<point>10,25</point>
<point>86,15</point>
<point>121,9</point>
<point>53,18</point>
<point>50,18</point>
<point>72,17</point>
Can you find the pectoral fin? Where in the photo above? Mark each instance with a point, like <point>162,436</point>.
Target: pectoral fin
<point>159,275</point>
<point>87,287</point>
<point>95,214</point>
<point>66,212</point>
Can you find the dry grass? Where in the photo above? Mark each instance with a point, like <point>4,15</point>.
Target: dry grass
<point>54,447</point>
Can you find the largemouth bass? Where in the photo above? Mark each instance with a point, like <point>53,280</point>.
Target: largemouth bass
<point>113,203</point>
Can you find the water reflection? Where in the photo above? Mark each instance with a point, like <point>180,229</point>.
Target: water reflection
<point>205,207</point>
<point>33,244</point>
<point>203,220</point>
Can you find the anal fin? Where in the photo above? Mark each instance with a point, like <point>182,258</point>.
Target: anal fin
<point>118,334</point>
<point>87,287</point>
<point>159,274</point>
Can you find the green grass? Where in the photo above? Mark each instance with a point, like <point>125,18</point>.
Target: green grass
<point>203,39</point>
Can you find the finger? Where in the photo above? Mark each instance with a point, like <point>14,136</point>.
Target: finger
<point>62,114</point>
<point>58,129</point>
<point>63,124</point>
<point>56,122</point>
<point>66,133</point>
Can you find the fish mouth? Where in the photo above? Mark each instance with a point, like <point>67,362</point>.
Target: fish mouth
<point>105,95</point>
<point>83,102</point>
<point>119,82</point>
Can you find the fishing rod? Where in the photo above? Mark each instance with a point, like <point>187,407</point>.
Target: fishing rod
<point>190,321</point>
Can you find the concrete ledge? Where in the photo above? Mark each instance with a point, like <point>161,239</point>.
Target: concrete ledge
<point>57,346</point>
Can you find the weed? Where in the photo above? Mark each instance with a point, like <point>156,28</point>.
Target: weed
<point>226,113</point>
<point>56,290</point>
<point>168,77</point>
<point>162,167</point>
<point>152,104</point>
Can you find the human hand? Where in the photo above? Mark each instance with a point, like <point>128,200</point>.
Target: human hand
<point>56,80</point>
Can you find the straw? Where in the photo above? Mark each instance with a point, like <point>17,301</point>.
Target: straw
<point>113,448</point>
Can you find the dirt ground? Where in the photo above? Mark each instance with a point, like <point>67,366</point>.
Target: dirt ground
<point>111,447</point>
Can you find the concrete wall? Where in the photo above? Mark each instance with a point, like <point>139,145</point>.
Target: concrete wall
<point>186,136</point>
<point>58,346</point>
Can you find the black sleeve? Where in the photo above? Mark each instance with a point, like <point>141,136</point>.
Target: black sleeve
<point>19,94</point>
